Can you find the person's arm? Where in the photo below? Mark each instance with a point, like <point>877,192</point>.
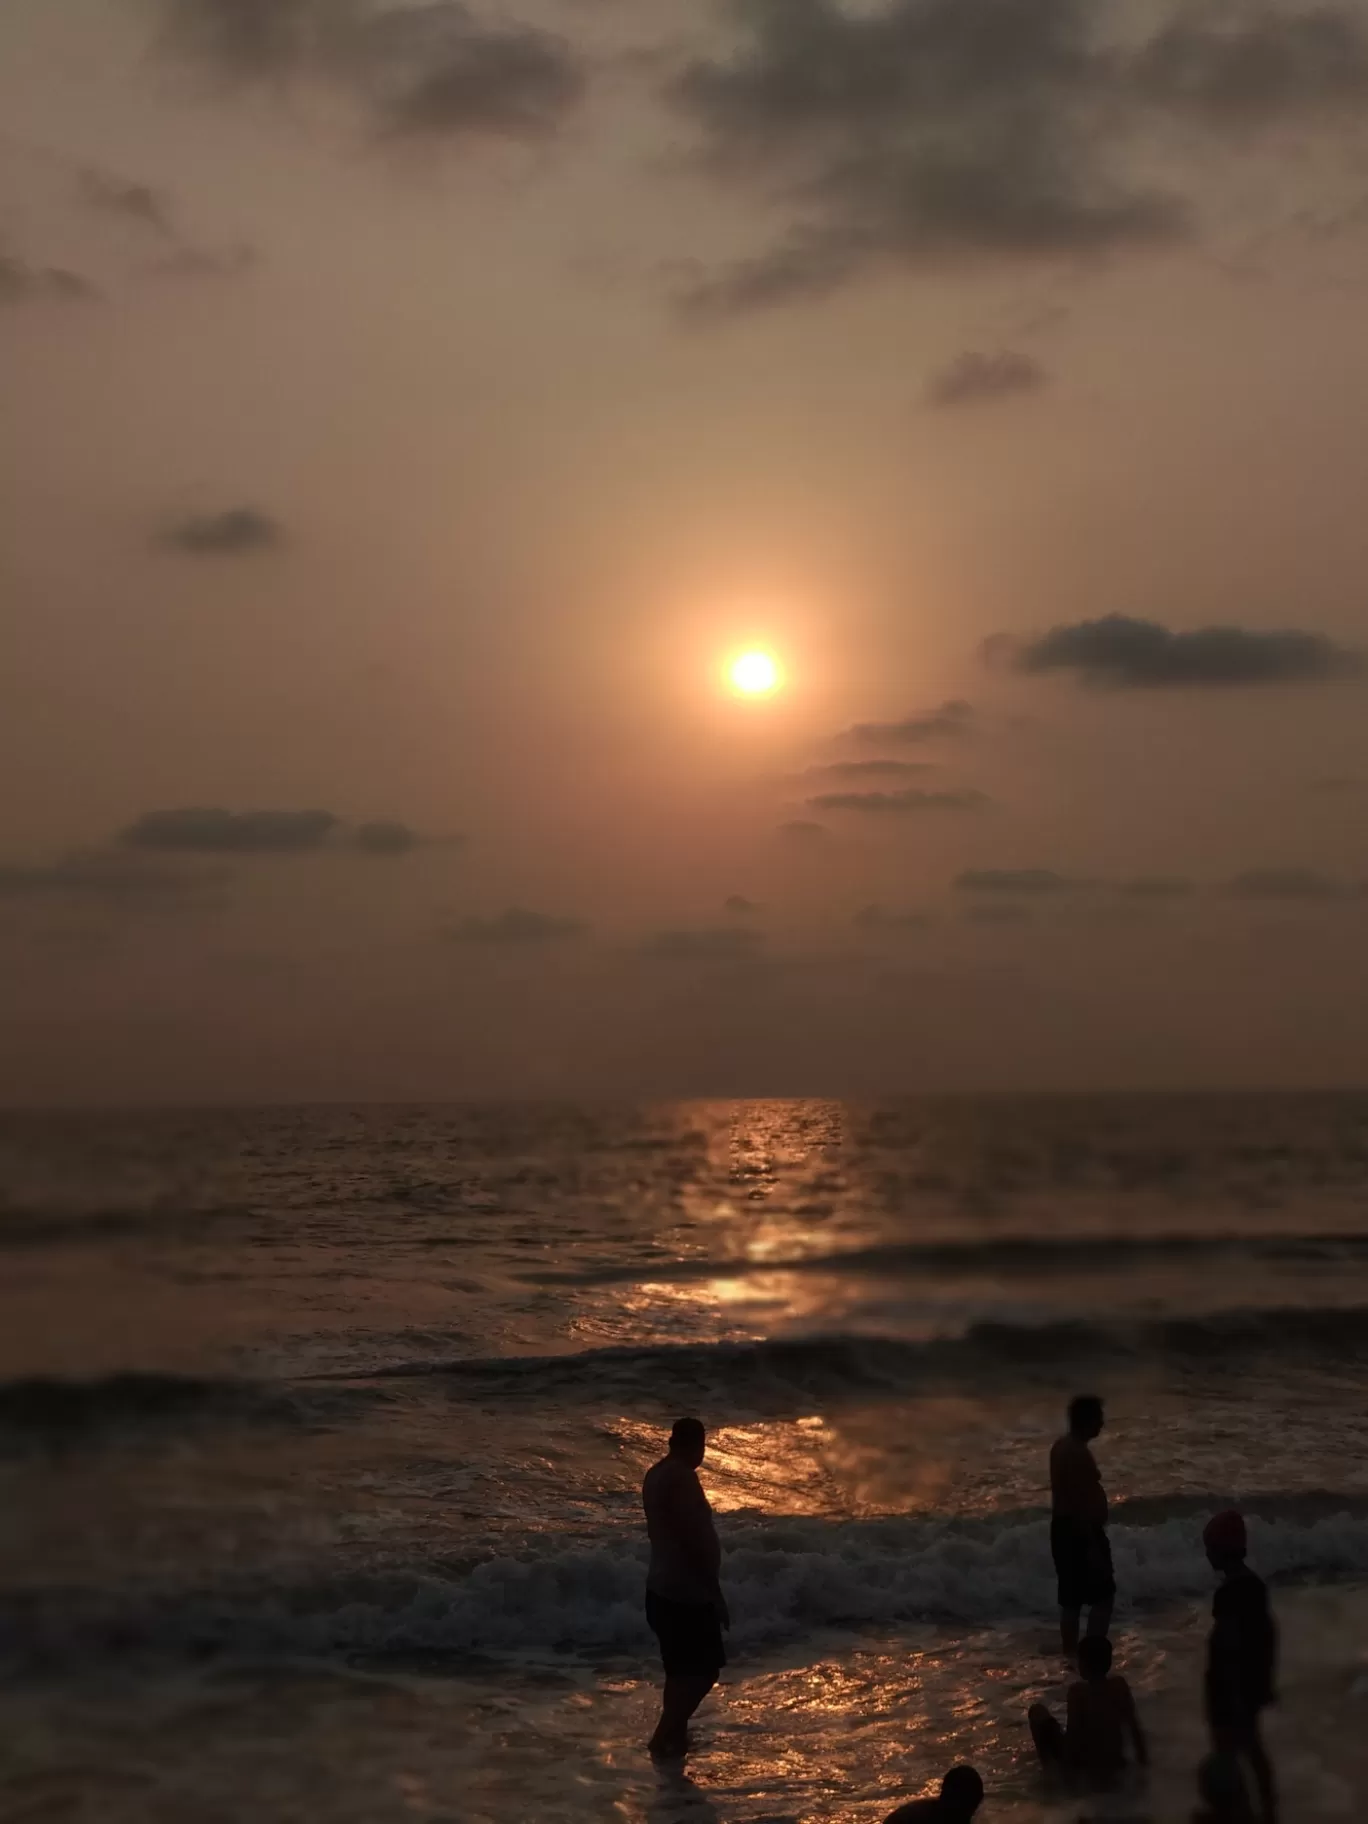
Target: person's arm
<point>1138,1735</point>
<point>698,1542</point>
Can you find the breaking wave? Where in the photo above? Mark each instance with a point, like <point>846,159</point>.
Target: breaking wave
<point>785,1579</point>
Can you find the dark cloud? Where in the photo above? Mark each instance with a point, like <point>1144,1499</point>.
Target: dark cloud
<point>803,830</point>
<point>1256,63</point>
<point>876,918</point>
<point>21,283</point>
<point>432,71</point>
<point>129,201</point>
<point>103,874</point>
<point>950,720</point>
<point>1295,883</point>
<point>208,830</point>
<point>899,804</point>
<point>1035,881</point>
<point>1127,654</point>
<point>518,926</point>
<point>231,533</point>
<point>248,40</point>
<point>979,379</point>
<point>724,943</point>
<point>1156,886</point>
<point>423,70</point>
<point>932,131</point>
<point>386,836</point>
<point>739,906</point>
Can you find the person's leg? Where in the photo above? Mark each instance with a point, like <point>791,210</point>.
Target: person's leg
<point>1068,1631</point>
<point>1262,1768</point>
<point>684,1692</point>
<point>1099,1620</point>
<point>1046,1734</point>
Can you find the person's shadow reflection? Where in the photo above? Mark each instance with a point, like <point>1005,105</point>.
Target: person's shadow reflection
<point>677,1800</point>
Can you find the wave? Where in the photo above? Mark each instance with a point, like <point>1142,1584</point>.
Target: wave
<point>43,1410</point>
<point>776,1370</point>
<point>786,1580</point>
<point>994,1254</point>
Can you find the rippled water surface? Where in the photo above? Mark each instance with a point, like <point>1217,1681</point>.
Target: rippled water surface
<point>321,1434</point>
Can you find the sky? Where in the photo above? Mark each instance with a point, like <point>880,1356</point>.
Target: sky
<point>411,408</point>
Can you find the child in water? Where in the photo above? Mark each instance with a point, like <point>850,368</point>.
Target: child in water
<point>1100,1716</point>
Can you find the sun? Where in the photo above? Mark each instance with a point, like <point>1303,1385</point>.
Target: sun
<point>754,673</point>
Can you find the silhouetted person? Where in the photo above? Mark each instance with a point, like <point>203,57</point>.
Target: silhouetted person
<point>1241,1656</point>
<point>1100,1715</point>
<point>1078,1527</point>
<point>961,1794</point>
<point>1221,1787</point>
<point>684,1602</point>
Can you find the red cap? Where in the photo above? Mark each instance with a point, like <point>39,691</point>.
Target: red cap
<point>1226,1533</point>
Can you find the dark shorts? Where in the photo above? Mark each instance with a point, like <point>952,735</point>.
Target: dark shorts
<point>1082,1561</point>
<point>690,1636</point>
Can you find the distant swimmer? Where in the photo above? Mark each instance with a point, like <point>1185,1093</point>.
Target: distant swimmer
<point>1221,1787</point>
<point>1242,1654</point>
<point>1078,1527</point>
<point>960,1796</point>
<point>1101,1719</point>
<point>684,1602</point>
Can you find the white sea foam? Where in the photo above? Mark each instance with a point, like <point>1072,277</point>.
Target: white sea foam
<point>785,1580</point>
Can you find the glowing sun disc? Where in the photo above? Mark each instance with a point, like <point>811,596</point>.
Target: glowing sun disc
<point>754,674</point>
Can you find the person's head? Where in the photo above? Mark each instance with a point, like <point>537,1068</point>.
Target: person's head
<point>1226,1540</point>
<point>1221,1786</point>
<point>1094,1658</point>
<point>1085,1416</point>
<point>688,1440</point>
<point>961,1792</point>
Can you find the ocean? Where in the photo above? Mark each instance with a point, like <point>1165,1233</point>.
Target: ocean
<point>322,1434</point>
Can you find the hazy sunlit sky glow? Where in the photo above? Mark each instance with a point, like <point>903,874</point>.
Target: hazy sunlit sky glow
<point>413,411</point>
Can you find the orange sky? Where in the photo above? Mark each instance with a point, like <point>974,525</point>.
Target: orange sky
<point>408,411</point>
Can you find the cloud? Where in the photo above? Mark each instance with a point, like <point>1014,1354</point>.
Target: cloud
<point>207,830</point>
<point>978,379</point>
<point>802,830</point>
<point>433,72</point>
<point>1156,886</point>
<point>899,804</point>
<point>952,719</point>
<point>1251,65</point>
<point>103,874</point>
<point>739,906</point>
<point>518,926</point>
<point>725,943</point>
<point>386,836</point>
<point>875,918</point>
<point>1122,653</point>
<point>427,70</point>
<point>1035,881</point>
<point>930,132</point>
<point>21,283</point>
<point>230,533</point>
<point>129,201</point>
<point>1295,883</point>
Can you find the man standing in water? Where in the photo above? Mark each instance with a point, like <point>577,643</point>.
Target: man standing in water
<point>684,1602</point>
<point>1242,1655</point>
<point>1078,1527</point>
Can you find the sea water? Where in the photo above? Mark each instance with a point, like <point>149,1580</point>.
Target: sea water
<point>322,1433</point>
